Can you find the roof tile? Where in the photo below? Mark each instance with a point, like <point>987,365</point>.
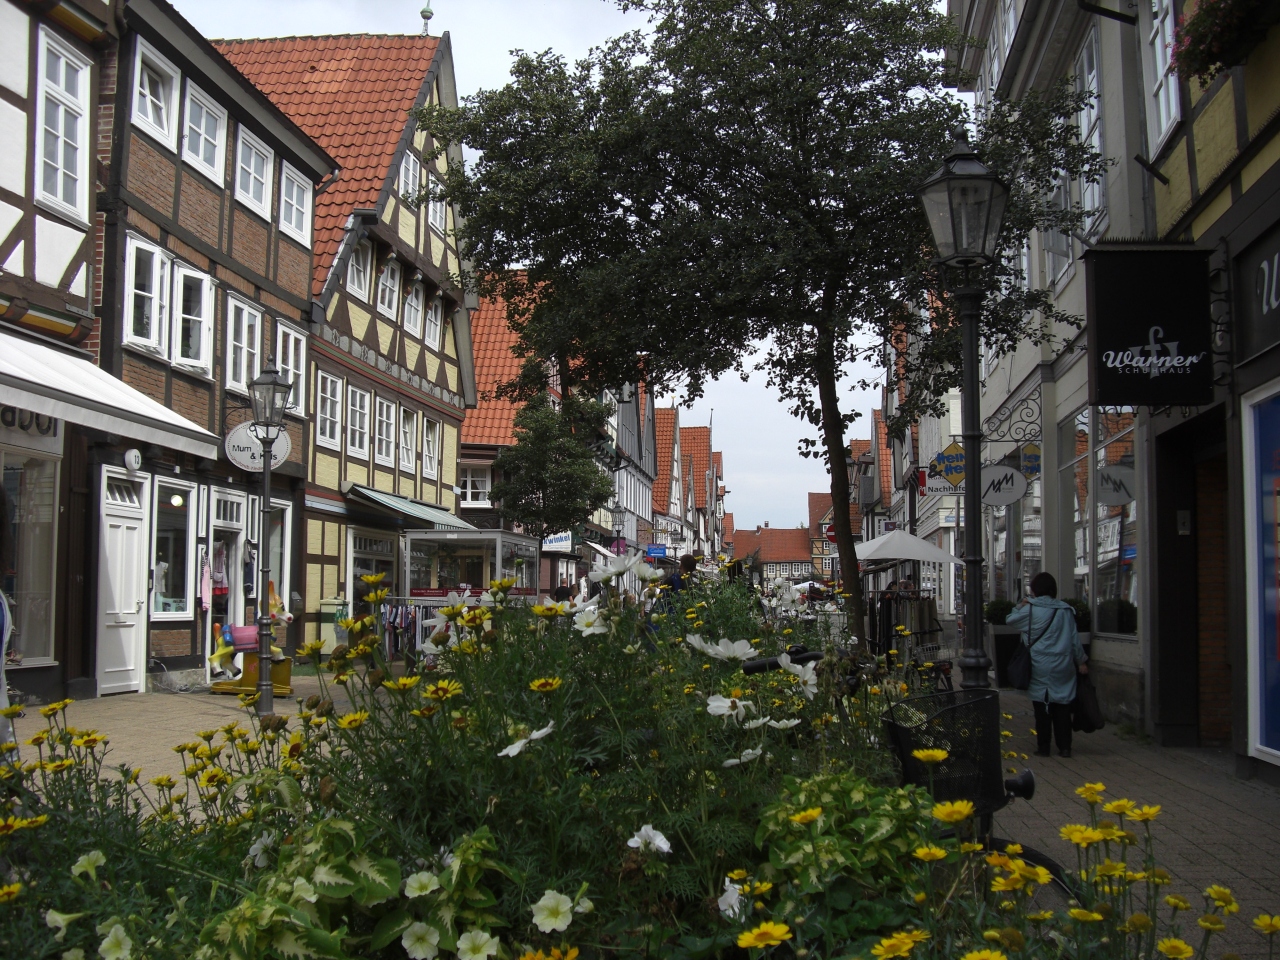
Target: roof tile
<point>695,443</point>
<point>492,339</point>
<point>664,432</point>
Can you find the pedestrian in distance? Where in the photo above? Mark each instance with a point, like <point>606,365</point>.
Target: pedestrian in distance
<point>683,576</point>
<point>563,592</point>
<point>1049,631</point>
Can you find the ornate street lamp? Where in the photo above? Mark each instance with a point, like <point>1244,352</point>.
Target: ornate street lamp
<point>269,394</point>
<point>619,522</point>
<point>965,203</point>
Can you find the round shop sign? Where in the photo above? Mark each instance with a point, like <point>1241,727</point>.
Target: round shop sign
<point>1117,485</point>
<point>1002,485</point>
<point>245,450</point>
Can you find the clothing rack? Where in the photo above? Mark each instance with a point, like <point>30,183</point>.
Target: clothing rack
<point>917,610</point>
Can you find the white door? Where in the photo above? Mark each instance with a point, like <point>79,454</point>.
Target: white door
<point>122,586</point>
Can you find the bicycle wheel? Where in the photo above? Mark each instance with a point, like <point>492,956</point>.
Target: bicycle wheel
<point>1058,895</point>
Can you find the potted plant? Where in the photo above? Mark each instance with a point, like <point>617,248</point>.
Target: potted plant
<point>1219,35</point>
<point>1084,621</point>
<point>1004,638</point>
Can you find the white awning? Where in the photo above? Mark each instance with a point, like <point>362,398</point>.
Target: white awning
<point>900,545</point>
<point>55,383</point>
<point>416,509</point>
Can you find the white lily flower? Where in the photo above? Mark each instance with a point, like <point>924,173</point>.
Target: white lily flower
<point>807,674</point>
<point>420,884</point>
<point>751,753</point>
<point>719,706</point>
<point>553,912</point>
<point>420,941</point>
<point>589,620</point>
<point>784,724</point>
<point>730,901</point>
<point>476,945</point>
<point>647,838</point>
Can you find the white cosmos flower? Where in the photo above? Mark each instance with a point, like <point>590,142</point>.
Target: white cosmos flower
<point>476,945</point>
<point>807,674</point>
<point>751,753</point>
<point>539,734</point>
<point>754,724</point>
<point>719,706</point>
<point>420,941</point>
<point>695,640</point>
<point>615,566</point>
<point>784,724</point>
<point>589,620</point>
<point>647,838</point>
<point>420,884</point>
<point>730,901</point>
<point>455,599</point>
<point>117,945</point>
<point>515,749</point>
<point>553,912</point>
<point>735,650</point>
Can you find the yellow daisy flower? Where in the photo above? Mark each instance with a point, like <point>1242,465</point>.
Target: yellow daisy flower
<point>768,934</point>
<point>953,811</point>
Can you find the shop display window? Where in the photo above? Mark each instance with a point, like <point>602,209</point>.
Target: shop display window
<point>28,531</point>
<point>174,539</point>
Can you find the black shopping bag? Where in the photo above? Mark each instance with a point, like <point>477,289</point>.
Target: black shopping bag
<point>1086,715</point>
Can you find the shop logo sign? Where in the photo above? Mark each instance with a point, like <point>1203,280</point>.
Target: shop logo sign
<point>1159,356</point>
<point>1002,485</point>
<point>1116,485</point>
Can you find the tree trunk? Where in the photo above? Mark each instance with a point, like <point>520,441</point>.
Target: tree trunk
<point>837,451</point>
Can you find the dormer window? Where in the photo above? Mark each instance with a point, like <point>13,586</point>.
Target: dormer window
<point>389,289</point>
<point>358,270</point>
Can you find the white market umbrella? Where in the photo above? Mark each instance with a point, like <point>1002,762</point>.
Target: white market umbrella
<point>900,545</point>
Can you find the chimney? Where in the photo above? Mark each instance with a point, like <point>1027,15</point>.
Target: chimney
<point>766,523</point>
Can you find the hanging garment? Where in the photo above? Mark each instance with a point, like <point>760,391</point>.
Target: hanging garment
<point>219,575</point>
<point>206,580</point>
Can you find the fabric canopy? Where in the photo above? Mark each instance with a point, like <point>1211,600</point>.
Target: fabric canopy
<point>599,549</point>
<point>55,383</point>
<point>440,519</point>
<point>900,545</point>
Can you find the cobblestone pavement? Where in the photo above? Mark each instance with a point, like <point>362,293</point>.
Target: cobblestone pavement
<point>1214,828</point>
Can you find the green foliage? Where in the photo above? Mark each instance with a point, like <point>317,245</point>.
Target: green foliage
<point>997,611</point>
<point>1084,615</point>
<point>550,479</point>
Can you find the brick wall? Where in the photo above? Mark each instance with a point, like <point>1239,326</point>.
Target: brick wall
<point>199,210</point>
<point>1211,569</point>
<point>150,175</point>
<point>145,375</point>
<point>143,225</point>
<point>191,400</point>
<point>170,643</point>
<point>188,253</point>
<point>235,280</point>
<point>249,242</point>
<point>293,269</point>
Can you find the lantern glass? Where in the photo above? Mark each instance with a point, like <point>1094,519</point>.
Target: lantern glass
<point>619,515</point>
<point>964,203</point>
<point>269,395</point>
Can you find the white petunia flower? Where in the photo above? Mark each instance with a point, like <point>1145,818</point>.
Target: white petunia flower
<point>420,941</point>
<point>261,847</point>
<point>589,620</point>
<point>719,706</point>
<point>747,756</point>
<point>75,953</point>
<point>59,921</point>
<point>117,945</point>
<point>476,945</point>
<point>784,724</point>
<point>420,884</point>
<point>89,863</point>
<point>553,912</point>
<point>583,906</point>
<point>647,838</point>
<point>807,674</point>
<point>730,901</point>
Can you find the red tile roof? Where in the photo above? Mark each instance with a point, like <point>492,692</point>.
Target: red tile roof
<point>664,432</point>
<point>776,544</point>
<point>695,443</point>
<point>352,95</point>
<point>717,461</point>
<point>491,421</point>
<point>728,528</point>
<point>820,508</point>
<point>884,459</point>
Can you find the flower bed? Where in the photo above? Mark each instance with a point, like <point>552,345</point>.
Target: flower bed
<point>545,783</point>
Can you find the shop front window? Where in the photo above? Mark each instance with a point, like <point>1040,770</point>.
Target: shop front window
<point>1073,443</point>
<point>171,566</point>
<point>371,555</point>
<point>1116,523</point>
<point>28,514</point>
<point>277,550</point>
<point>520,561</point>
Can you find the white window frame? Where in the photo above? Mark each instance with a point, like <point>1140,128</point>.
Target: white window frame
<point>358,422</point>
<point>431,430</point>
<point>359,267</point>
<point>195,158</point>
<point>388,302</point>
<point>437,210</point>
<point>156,343</point>
<point>146,56</point>
<point>202,363</point>
<point>245,139</point>
<point>251,362</point>
<point>1093,196</point>
<point>291,361</point>
<point>413,310</point>
<point>193,534</point>
<point>1164,108</point>
<point>79,105</point>
<point>1058,245</point>
<point>410,175</point>
<point>433,323</point>
<point>408,438</point>
<point>290,176</point>
<point>384,432</point>
<point>467,472</point>
<point>329,418</point>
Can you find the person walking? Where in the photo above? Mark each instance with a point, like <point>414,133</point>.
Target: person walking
<point>1049,630</point>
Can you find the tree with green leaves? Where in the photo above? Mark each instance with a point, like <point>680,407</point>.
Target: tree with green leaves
<point>739,183</point>
<point>550,478</point>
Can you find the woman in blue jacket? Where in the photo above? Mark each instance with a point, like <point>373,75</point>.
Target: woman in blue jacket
<point>1049,629</point>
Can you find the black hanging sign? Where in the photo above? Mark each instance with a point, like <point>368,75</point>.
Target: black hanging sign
<point>1149,328</point>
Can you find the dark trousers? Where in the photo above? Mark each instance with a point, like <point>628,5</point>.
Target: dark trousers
<point>1055,717</point>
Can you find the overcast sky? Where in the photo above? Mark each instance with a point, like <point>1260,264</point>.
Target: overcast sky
<point>766,477</point>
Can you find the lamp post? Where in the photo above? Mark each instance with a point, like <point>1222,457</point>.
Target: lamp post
<point>269,393</point>
<point>619,522</point>
<point>965,203</point>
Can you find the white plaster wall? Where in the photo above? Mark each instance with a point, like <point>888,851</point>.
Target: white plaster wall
<point>15,27</point>
<point>13,145</point>
<point>55,246</point>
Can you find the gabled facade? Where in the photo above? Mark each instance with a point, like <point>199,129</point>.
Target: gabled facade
<point>704,490</point>
<point>672,505</point>
<point>779,551</point>
<point>391,374</point>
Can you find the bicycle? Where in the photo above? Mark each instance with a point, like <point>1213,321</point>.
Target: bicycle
<point>963,723</point>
